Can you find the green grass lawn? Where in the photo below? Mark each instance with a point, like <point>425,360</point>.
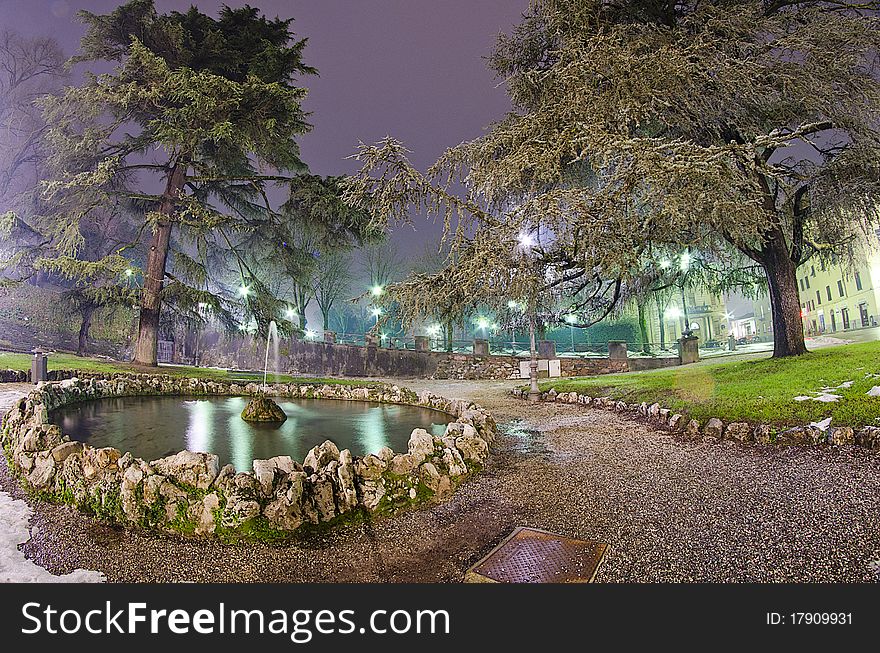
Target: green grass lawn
<point>757,391</point>
<point>13,361</point>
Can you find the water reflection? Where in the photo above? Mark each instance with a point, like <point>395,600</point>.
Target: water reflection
<point>152,427</point>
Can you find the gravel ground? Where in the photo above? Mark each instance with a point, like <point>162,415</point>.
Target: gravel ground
<point>671,510</point>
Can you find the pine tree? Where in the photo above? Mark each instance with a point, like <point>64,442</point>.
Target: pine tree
<point>196,127</point>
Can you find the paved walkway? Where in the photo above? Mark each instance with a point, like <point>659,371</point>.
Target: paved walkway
<point>671,510</point>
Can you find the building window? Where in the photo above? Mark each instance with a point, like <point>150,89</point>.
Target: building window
<point>812,270</point>
<point>828,292</point>
<point>858,281</point>
<point>818,298</point>
<point>802,284</point>
<point>840,287</point>
<point>807,281</point>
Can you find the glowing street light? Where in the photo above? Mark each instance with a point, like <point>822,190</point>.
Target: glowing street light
<point>377,291</point>
<point>482,323</point>
<point>685,261</point>
<point>244,290</point>
<point>311,334</point>
<point>512,304</point>
<point>526,240</point>
<point>664,264</point>
<point>289,313</point>
<point>129,272</point>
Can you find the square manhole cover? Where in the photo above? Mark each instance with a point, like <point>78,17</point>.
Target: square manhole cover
<point>529,555</point>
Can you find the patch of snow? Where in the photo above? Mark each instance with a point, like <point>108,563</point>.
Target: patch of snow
<point>15,517</point>
<point>827,398</point>
<point>822,425</point>
<point>802,398</point>
<point>846,384</point>
<point>824,341</point>
<point>874,392</point>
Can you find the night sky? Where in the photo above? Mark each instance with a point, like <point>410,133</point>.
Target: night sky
<point>412,69</point>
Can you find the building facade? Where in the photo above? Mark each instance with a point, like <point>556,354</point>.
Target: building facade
<point>840,297</point>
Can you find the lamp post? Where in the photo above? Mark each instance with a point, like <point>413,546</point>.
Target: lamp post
<point>527,243</point>
<point>571,318</point>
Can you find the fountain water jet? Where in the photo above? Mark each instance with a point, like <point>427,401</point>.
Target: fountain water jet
<point>261,408</point>
<point>276,358</point>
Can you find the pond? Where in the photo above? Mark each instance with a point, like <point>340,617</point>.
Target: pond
<point>154,427</point>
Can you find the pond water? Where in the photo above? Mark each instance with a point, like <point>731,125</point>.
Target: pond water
<point>154,427</point>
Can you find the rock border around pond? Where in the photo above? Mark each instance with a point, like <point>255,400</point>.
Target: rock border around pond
<point>189,493</point>
<point>715,429</point>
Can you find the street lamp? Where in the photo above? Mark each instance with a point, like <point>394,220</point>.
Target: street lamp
<point>290,313</point>
<point>377,291</point>
<point>376,313</point>
<point>244,290</point>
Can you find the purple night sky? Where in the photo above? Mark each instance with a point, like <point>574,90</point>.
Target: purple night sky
<point>413,69</point>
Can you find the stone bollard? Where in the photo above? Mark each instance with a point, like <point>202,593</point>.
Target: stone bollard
<point>39,366</point>
<point>423,343</point>
<point>617,350</point>
<point>731,342</point>
<point>688,349</point>
<point>371,340</point>
<point>481,347</point>
<point>330,337</point>
<point>546,349</point>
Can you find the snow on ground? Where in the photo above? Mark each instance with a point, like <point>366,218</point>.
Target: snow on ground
<point>826,341</point>
<point>874,392</point>
<point>15,517</point>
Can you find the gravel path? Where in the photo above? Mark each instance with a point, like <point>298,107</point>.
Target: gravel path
<point>671,510</point>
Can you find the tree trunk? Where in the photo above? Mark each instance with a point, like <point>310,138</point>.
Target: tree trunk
<point>449,334</point>
<point>83,343</point>
<point>325,317</point>
<point>145,349</point>
<point>788,329</point>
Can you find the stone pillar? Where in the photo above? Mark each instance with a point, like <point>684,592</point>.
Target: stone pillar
<point>688,349</point>
<point>731,342</point>
<point>546,349</point>
<point>481,347</point>
<point>423,343</point>
<point>330,337</point>
<point>617,350</point>
<point>371,340</point>
<point>39,366</point>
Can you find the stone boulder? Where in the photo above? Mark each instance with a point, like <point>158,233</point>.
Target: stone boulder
<point>762,434</point>
<point>841,435</point>
<point>739,431</point>
<point>421,444</point>
<point>192,468</point>
<point>868,437</point>
<point>713,428</point>
<point>262,409</point>
<point>322,455</point>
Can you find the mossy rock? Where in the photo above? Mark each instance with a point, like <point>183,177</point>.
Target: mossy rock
<point>263,409</point>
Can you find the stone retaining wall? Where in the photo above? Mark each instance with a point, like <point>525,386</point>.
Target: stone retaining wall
<point>715,429</point>
<point>189,493</point>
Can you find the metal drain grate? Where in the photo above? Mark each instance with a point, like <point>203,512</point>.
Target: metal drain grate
<point>529,555</point>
